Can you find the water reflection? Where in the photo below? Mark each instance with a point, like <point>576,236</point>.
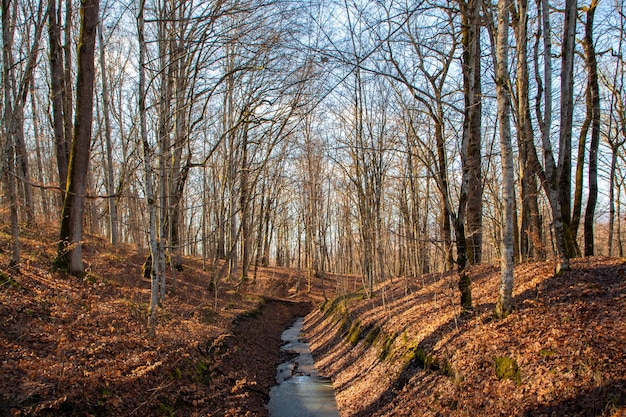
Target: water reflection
<point>300,392</point>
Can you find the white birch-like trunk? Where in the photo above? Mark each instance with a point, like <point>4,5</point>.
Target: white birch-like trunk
<point>503,93</point>
<point>148,176</point>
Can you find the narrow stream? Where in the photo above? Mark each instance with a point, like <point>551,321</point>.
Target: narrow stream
<point>300,392</point>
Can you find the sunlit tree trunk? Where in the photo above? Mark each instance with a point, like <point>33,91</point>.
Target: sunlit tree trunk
<point>503,93</point>
<point>69,254</point>
<point>109,174</point>
<point>594,88</point>
<point>530,236</point>
<point>148,175</point>
<point>59,92</point>
<point>564,166</point>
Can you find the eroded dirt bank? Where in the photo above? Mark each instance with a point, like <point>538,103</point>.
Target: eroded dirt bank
<point>561,352</point>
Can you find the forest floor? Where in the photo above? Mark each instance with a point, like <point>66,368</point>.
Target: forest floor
<point>71,346</point>
<point>407,351</point>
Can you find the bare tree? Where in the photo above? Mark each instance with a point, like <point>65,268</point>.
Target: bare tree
<point>59,92</point>
<point>148,174</point>
<point>109,170</point>
<point>69,253</point>
<point>432,94</point>
<point>17,79</point>
<point>564,166</point>
<point>530,245</point>
<point>593,107</point>
<point>548,175</point>
<point>505,294</point>
<point>471,190</point>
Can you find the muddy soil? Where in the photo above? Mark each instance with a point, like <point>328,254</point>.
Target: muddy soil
<point>254,352</point>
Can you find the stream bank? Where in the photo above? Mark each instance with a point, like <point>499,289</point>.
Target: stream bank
<point>249,354</point>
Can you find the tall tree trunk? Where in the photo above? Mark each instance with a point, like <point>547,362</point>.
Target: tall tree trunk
<point>612,200</point>
<point>110,177</point>
<point>12,145</point>
<point>594,88</point>
<point>25,86</point>
<point>68,93</point>
<point>471,152</point>
<point>564,167</point>
<point>548,175</point>
<point>178,172</point>
<point>530,236</point>
<point>616,115</point>
<point>58,91</point>
<point>167,71</point>
<point>7,144</point>
<point>69,254</point>
<point>148,175</point>
<point>580,166</point>
<point>442,172</point>
<point>505,295</point>
<point>244,199</point>
<point>469,244</point>
<point>231,175</point>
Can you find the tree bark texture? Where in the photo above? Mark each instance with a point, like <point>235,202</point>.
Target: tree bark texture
<point>564,167</point>
<point>530,236</point>
<point>109,171</point>
<point>471,147</point>
<point>594,88</point>
<point>69,256</point>
<point>503,93</point>
<point>58,93</point>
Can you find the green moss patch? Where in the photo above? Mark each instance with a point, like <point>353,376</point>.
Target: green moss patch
<point>507,368</point>
<point>354,334</point>
<point>372,335</point>
<point>386,345</point>
<point>7,281</point>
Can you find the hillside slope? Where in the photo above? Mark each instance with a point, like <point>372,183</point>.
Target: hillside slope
<point>407,352</point>
<point>78,347</point>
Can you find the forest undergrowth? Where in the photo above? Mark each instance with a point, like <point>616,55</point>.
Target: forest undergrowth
<point>407,351</point>
<point>80,347</point>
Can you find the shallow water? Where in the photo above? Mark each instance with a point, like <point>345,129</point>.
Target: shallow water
<point>300,392</point>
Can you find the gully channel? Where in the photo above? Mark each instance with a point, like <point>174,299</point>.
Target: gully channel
<point>300,392</point>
